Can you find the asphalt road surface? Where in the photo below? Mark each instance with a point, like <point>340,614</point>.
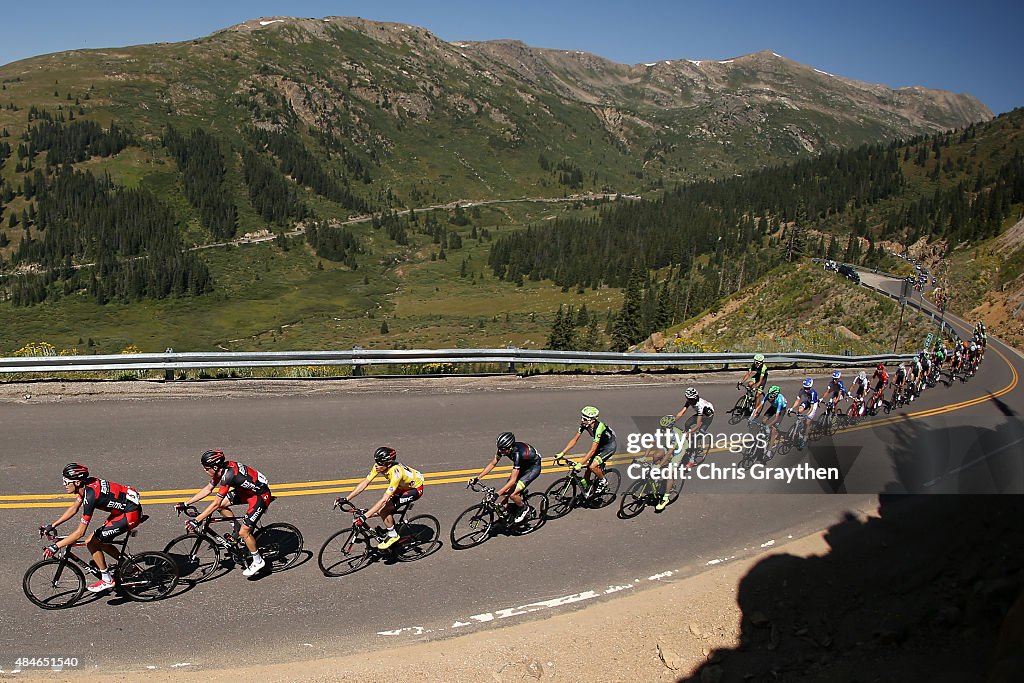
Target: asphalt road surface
<point>956,438</point>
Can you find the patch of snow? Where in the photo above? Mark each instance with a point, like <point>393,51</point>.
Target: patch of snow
<point>725,61</point>
<point>778,55</point>
<point>649,63</point>
<point>695,62</point>
<point>269,22</point>
<point>825,72</point>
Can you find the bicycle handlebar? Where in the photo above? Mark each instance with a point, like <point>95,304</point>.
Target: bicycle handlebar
<point>481,488</point>
<point>566,462</point>
<point>190,510</point>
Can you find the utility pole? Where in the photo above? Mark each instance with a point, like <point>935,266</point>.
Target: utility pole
<point>903,307</point>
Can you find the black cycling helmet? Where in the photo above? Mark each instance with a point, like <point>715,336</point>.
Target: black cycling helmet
<point>74,471</point>
<point>214,459</point>
<point>505,442</point>
<point>385,455</point>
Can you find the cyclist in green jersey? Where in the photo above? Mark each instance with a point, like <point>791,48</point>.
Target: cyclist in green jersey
<point>601,450</point>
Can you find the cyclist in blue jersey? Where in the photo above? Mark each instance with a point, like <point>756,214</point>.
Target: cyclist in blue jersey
<point>835,389</point>
<point>601,450</point>
<point>773,406</point>
<point>806,403</point>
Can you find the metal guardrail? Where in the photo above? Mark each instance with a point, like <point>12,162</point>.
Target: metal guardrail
<point>357,358</point>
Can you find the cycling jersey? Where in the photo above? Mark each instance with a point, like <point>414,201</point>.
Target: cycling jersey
<point>858,387</point>
<point>523,456</point>
<point>400,478</point>
<point>602,433</point>
<point>836,386</point>
<point>701,407</point>
<point>807,397</point>
<point>901,375</point>
<point>759,374</point>
<point>776,407</point>
<point>100,494</point>
<point>237,476</point>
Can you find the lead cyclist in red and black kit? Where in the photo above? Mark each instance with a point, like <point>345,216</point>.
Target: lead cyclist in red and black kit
<point>246,485</point>
<point>122,502</point>
<point>526,465</point>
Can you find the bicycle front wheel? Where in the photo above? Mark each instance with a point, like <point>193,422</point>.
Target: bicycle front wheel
<point>147,576</point>
<point>53,584</point>
<point>344,552</point>
<point>634,500</point>
<point>561,497</point>
<point>280,544</point>
<point>472,527</point>
<point>196,556</point>
<point>418,537</point>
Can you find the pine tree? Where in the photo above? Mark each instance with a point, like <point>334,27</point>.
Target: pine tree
<point>627,329</point>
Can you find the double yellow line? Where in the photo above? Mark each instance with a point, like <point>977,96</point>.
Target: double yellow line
<point>311,488</point>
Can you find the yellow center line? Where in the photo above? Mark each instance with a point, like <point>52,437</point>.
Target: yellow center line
<point>310,488</point>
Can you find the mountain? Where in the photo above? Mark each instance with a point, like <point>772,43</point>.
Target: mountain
<point>400,117</point>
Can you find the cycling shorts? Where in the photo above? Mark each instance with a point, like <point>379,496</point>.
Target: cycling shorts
<point>118,523</point>
<point>527,475</point>
<point>605,454</point>
<point>257,502</point>
<point>404,496</point>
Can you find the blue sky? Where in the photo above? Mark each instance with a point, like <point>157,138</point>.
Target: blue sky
<point>969,47</point>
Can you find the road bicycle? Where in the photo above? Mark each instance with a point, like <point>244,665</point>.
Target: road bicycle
<point>646,491</point>
<point>757,451</point>
<point>744,405</point>
<point>479,522</point>
<point>200,553</point>
<point>572,490</point>
<point>351,549</point>
<point>828,422</point>
<point>58,582</point>
<point>797,434</point>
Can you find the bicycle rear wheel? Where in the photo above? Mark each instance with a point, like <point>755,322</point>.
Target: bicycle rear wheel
<point>53,584</point>
<point>535,520</point>
<point>196,556</point>
<point>147,576</point>
<point>472,527</point>
<point>613,480</point>
<point>280,544</point>
<point>419,537</point>
<point>561,497</point>
<point>739,411</point>
<point>344,552</point>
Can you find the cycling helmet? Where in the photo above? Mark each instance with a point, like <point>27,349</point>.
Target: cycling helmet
<point>385,455</point>
<point>667,420</point>
<point>75,472</point>
<point>974,347</point>
<point>691,394</point>
<point>808,382</point>
<point>902,366</point>
<point>589,413</point>
<point>214,459</point>
<point>505,441</point>
<point>774,391</point>
<point>881,367</point>
<point>836,374</point>
<point>759,358</point>
<point>863,376</point>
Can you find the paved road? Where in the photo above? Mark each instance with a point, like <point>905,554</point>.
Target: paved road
<point>966,437</point>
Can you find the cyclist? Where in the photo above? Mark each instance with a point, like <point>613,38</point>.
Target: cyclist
<point>700,421</point>
<point>881,380</point>
<point>773,405</point>
<point>122,502</point>
<point>235,483</point>
<point>601,450</point>
<point>914,375</point>
<point>526,466</point>
<point>898,381</point>
<point>858,391</point>
<point>756,377</point>
<point>404,486</point>
<point>835,389</point>
<point>926,367</point>
<point>940,356</point>
<point>806,401</point>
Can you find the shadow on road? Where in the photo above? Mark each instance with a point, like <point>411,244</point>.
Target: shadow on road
<point>919,593</point>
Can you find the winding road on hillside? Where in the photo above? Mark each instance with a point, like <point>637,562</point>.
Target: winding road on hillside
<point>315,443</point>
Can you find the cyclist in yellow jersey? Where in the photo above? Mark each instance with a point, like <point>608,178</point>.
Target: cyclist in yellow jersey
<point>404,486</point>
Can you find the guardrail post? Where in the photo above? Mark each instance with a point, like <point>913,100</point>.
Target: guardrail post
<point>168,372</point>
<point>357,370</point>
